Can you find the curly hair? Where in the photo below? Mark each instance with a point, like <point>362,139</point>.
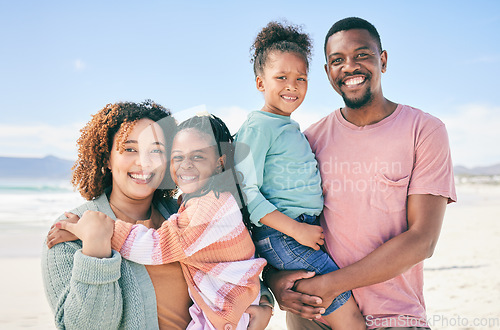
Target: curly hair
<point>91,175</point>
<point>279,37</point>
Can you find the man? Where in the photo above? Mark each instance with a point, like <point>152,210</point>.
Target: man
<point>387,178</point>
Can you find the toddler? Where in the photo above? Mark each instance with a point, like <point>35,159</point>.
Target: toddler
<point>281,181</point>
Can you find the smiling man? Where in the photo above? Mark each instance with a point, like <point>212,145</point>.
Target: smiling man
<point>387,177</point>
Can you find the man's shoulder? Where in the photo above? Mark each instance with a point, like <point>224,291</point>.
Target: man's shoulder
<point>420,116</point>
<point>320,125</point>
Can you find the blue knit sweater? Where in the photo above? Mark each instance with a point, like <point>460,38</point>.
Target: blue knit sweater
<point>92,293</point>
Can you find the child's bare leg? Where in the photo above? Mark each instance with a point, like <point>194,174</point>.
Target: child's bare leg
<point>346,317</point>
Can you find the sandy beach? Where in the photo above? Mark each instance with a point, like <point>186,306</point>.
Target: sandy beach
<point>462,285</point>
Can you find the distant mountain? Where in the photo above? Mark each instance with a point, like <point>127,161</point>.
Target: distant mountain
<point>49,167</point>
<point>480,170</point>
<point>56,168</point>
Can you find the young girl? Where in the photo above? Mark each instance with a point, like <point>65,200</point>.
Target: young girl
<point>281,181</point>
<point>207,235</point>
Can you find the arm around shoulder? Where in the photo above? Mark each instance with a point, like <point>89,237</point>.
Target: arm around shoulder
<point>82,291</point>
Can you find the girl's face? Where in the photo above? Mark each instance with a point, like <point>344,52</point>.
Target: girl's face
<point>193,160</point>
<point>283,82</point>
<point>139,169</point>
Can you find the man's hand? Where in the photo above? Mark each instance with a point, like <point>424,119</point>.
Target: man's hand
<point>321,286</point>
<point>282,283</point>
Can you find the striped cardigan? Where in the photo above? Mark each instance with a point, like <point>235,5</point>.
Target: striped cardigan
<point>214,248</point>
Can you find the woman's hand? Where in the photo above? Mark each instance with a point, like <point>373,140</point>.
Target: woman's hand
<point>57,235</point>
<point>260,314</point>
<point>95,229</point>
<point>282,283</point>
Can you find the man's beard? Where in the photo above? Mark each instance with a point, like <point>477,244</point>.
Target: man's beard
<point>357,103</point>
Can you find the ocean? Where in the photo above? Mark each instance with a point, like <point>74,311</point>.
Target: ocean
<point>34,204</point>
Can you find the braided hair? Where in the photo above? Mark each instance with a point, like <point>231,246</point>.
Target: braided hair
<point>214,127</point>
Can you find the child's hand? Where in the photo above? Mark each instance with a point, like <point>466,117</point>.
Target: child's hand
<point>260,315</point>
<point>95,229</point>
<point>310,235</point>
<point>57,235</point>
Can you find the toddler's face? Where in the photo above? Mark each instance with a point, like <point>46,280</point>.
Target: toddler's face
<point>284,83</point>
<point>193,160</point>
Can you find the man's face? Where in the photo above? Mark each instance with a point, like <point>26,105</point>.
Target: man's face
<point>354,66</point>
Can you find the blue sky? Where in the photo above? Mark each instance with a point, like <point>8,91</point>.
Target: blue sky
<point>62,61</point>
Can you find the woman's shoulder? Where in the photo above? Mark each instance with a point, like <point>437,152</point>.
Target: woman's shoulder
<point>100,203</point>
<point>87,206</point>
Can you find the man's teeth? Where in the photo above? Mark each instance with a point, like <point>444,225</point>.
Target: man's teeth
<point>187,178</point>
<point>354,81</point>
<point>141,176</point>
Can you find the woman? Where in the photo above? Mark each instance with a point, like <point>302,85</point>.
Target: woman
<point>120,169</point>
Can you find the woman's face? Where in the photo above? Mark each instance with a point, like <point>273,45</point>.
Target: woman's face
<point>139,169</point>
<point>193,160</point>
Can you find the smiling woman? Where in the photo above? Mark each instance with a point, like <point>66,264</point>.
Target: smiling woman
<point>139,163</point>
<point>108,137</point>
<point>121,166</point>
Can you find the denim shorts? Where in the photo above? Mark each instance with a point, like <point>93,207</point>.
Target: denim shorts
<point>285,253</point>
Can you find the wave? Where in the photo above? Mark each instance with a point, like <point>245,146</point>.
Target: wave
<point>29,186</point>
<point>35,205</point>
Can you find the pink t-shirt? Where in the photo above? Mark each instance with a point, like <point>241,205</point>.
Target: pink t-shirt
<point>367,174</point>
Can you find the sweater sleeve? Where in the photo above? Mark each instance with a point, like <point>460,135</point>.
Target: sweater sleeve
<point>252,167</point>
<point>203,222</point>
<point>148,246</point>
<point>83,291</point>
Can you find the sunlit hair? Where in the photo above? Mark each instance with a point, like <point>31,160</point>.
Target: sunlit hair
<point>351,23</point>
<point>216,130</point>
<point>91,175</point>
<point>279,37</point>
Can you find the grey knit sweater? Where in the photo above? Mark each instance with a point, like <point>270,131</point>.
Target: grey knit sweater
<point>92,293</point>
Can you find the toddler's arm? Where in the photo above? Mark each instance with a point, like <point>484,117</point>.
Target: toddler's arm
<point>147,246</point>
<point>179,237</point>
<point>306,234</point>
